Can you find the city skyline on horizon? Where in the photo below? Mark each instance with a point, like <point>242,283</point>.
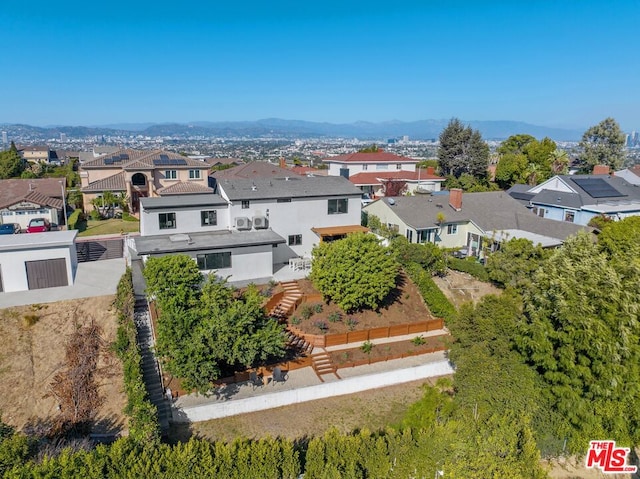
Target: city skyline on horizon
<point>553,64</point>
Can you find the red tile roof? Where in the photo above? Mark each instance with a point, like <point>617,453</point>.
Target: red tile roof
<point>375,177</point>
<point>42,191</point>
<point>380,156</point>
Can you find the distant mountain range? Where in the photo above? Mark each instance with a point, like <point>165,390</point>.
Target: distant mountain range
<point>422,130</point>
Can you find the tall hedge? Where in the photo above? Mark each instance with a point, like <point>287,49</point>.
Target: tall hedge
<point>143,415</point>
<point>436,300</point>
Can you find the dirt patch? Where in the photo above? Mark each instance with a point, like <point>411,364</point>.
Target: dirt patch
<point>405,305</point>
<point>373,410</point>
<point>462,287</point>
<point>574,468</point>
<point>34,340</point>
<point>387,350</point>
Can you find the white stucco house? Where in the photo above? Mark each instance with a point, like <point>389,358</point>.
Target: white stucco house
<point>249,228</point>
<point>37,260</point>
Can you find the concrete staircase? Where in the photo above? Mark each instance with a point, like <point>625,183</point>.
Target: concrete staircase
<point>146,342</point>
<point>322,365</point>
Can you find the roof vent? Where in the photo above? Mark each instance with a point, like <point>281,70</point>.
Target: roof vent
<point>254,187</point>
<point>286,178</point>
<point>391,201</point>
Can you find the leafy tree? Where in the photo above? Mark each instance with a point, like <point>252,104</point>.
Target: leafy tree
<point>581,333</point>
<point>429,256</point>
<point>523,159</point>
<point>603,144</point>
<point>559,162</point>
<point>462,150</point>
<point>355,272</point>
<point>370,149</point>
<point>11,163</point>
<point>173,280</point>
<point>515,262</point>
<point>108,202</point>
<point>470,183</point>
<point>621,239</point>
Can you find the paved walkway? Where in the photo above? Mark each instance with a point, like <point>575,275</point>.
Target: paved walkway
<point>95,278</point>
<point>304,385</point>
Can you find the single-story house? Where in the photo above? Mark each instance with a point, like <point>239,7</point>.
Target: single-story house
<point>478,220</point>
<point>21,200</point>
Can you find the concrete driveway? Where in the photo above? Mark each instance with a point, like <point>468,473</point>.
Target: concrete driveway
<point>96,278</point>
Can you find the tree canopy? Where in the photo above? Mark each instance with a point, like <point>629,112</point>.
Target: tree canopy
<point>462,150</point>
<point>355,272</point>
<point>515,262</point>
<point>603,144</point>
<point>523,159</point>
<point>11,163</point>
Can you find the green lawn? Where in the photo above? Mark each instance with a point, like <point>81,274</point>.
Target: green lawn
<point>105,227</point>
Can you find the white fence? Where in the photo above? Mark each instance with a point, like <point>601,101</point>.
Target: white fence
<point>352,385</point>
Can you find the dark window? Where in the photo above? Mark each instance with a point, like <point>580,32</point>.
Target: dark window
<point>245,204</point>
<point>138,180</point>
<point>410,236</point>
<point>295,240</point>
<point>167,220</point>
<point>283,200</point>
<point>214,261</point>
<point>569,216</point>
<point>424,236</point>
<point>208,218</point>
<point>171,174</point>
<point>452,229</point>
<point>194,174</point>
<point>338,206</point>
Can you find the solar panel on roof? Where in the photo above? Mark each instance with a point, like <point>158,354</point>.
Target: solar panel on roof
<point>597,187</point>
<point>164,157</point>
<point>108,161</point>
<point>178,162</point>
<point>124,156</point>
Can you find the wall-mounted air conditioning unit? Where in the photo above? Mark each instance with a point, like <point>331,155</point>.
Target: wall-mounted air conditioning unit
<point>243,223</point>
<point>259,222</point>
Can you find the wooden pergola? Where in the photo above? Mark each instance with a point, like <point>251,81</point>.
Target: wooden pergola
<point>332,233</point>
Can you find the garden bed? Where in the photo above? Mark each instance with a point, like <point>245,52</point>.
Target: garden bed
<point>404,305</point>
<point>346,358</point>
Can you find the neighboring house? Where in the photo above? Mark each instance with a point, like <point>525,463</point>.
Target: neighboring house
<point>21,200</point>
<point>252,226</point>
<point>35,261</point>
<point>631,175</point>
<point>35,154</point>
<point>223,162</point>
<point>253,169</point>
<point>140,174</point>
<point>371,162</point>
<point>396,183</point>
<point>578,198</point>
<point>478,220</point>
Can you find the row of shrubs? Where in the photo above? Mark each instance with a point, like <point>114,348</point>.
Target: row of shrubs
<point>390,454</point>
<point>470,266</point>
<point>143,415</point>
<point>436,300</point>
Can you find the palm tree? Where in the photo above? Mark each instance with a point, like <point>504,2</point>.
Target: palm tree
<point>559,162</point>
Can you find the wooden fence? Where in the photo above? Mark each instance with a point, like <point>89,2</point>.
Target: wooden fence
<point>325,340</point>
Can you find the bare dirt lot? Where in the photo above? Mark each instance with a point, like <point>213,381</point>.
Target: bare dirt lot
<point>34,339</point>
<point>462,287</point>
<point>404,305</point>
<point>371,409</point>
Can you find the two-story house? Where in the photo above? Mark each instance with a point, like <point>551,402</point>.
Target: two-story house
<point>140,174</point>
<point>379,173</point>
<point>251,227</point>
<point>479,221</point>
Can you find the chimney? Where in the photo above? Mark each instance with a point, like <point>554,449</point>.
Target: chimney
<point>283,164</point>
<point>431,170</point>
<point>455,198</point>
<point>600,170</point>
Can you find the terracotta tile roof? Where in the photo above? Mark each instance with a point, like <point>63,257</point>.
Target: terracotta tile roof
<point>184,188</point>
<point>375,178</point>
<point>253,169</point>
<point>112,183</point>
<point>380,156</point>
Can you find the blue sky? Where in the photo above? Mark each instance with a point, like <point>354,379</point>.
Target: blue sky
<point>555,63</point>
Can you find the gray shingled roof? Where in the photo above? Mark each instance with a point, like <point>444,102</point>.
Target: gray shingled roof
<point>490,211</point>
<point>293,187</point>
<point>558,198</point>
<point>253,169</point>
<point>225,239</point>
<point>183,201</point>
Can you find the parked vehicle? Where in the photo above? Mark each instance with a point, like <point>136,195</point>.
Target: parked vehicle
<point>38,225</point>
<point>9,229</point>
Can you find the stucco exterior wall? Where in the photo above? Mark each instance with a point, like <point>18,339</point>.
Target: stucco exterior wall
<point>14,271</point>
<point>187,220</point>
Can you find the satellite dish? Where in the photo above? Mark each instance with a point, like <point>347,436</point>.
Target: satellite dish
<point>392,201</point>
